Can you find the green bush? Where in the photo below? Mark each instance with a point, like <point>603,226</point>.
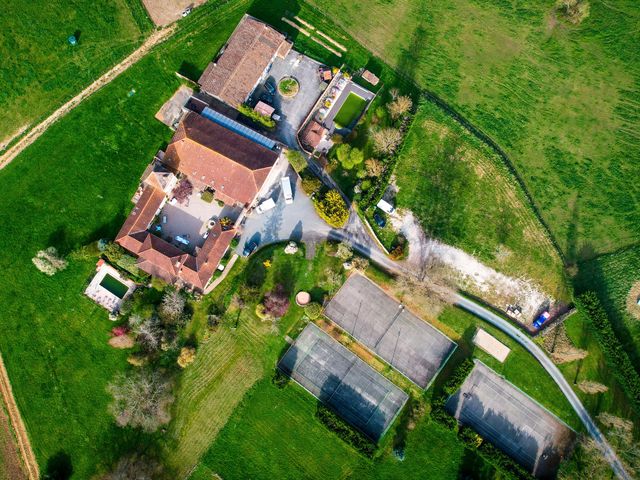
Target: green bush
<point>207,196</point>
<point>617,359</point>
<point>279,379</point>
<point>313,310</point>
<point>311,185</point>
<point>235,241</point>
<point>440,415</point>
<point>263,120</point>
<point>332,208</point>
<point>345,431</point>
<point>297,160</point>
<point>458,377</point>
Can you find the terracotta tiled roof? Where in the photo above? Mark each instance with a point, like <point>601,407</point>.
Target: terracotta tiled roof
<point>249,51</point>
<point>143,213</point>
<point>213,156</point>
<point>197,270</point>
<point>370,77</point>
<point>313,134</point>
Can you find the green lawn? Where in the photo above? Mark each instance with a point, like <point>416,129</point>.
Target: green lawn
<point>274,434</point>
<point>561,100</point>
<point>463,195</point>
<point>40,69</point>
<point>71,187</point>
<point>350,110</point>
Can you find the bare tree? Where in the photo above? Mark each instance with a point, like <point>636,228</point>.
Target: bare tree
<point>183,190</point>
<point>359,263</point>
<point>136,467</point>
<point>149,333</point>
<point>141,399</point>
<point>400,106</point>
<point>394,92</point>
<point>386,140</point>
<point>374,167</point>
<point>172,306</point>
<point>574,11</point>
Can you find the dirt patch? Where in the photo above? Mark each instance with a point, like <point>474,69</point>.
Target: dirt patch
<point>19,430</point>
<point>11,464</point>
<point>632,301</point>
<point>559,345</point>
<point>164,12</point>
<point>122,342</point>
<point>171,111</point>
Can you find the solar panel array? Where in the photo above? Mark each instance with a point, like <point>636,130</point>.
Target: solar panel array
<point>238,128</point>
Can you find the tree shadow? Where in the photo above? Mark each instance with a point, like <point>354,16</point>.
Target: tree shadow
<point>59,467</point>
<point>190,71</point>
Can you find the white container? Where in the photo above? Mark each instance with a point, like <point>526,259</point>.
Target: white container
<point>286,190</point>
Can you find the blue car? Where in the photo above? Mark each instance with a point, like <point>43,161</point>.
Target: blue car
<point>249,248</point>
<point>542,318</point>
<point>379,219</point>
<point>270,87</point>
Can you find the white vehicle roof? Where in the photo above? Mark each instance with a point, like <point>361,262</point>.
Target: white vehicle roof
<point>385,206</point>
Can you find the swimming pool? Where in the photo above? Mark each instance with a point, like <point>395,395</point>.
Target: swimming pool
<point>114,285</point>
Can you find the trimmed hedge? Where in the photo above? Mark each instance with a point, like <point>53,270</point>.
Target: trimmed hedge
<point>345,431</point>
<point>617,359</point>
<point>459,375</point>
<point>263,120</point>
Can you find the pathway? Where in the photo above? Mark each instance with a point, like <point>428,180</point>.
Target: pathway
<point>26,452</point>
<point>154,39</point>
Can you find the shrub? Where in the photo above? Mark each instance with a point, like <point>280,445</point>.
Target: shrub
<point>263,120</point>
<point>311,184</point>
<point>279,379</point>
<point>128,263</point>
<point>235,241</point>
<point>313,310</point>
<point>49,262</point>
<point>458,376</point>
<point>345,431</point>
<point>332,208</point>
<point>401,105</point>
<point>349,157</point>
<point>297,160</point>
<point>187,356</point>
<point>276,302</point>
<point>386,140</point>
<point>207,196</point>
<point>616,357</point>
<point>261,312</point>
<point>344,251</point>
<point>575,11</point>
<point>374,167</point>
<point>226,223</point>
<point>183,190</point>
<point>365,185</point>
<point>440,415</point>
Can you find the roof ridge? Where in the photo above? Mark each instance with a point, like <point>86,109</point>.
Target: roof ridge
<point>237,66</point>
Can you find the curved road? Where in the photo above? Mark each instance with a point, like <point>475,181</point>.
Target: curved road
<point>479,311</point>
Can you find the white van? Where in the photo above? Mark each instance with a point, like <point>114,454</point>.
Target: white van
<point>385,206</point>
<point>286,190</point>
<point>268,204</point>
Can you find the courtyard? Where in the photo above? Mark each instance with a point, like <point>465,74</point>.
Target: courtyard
<point>292,110</point>
<point>186,224</point>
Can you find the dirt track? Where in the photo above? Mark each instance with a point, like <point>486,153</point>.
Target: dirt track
<point>33,134</point>
<point>28,457</point>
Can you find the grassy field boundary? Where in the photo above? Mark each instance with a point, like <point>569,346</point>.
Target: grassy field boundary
<point>15,420</point>
<point>496,149</point>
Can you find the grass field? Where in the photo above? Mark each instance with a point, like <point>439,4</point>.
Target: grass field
<point>463,195</point>
<point>350,110</point>
<point>561,100</point>
<point>40,69</point>
<point>71,187</point>
<point>275,434</point>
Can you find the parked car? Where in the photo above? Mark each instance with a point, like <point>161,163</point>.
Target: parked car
<point>542,318</point>
<point>385,206</point>
<point>379,219</point>
<point>186,11</point>
<point>249,248</point>
<point>268,204</point>
<point>270,87</point>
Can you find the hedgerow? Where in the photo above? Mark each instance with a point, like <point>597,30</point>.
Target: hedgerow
<point>345,431</point>
<point>617,358</point>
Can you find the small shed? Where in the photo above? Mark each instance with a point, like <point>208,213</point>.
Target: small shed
<point>264,109</point>
<point>491,345</point>
<point>370,77</point>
